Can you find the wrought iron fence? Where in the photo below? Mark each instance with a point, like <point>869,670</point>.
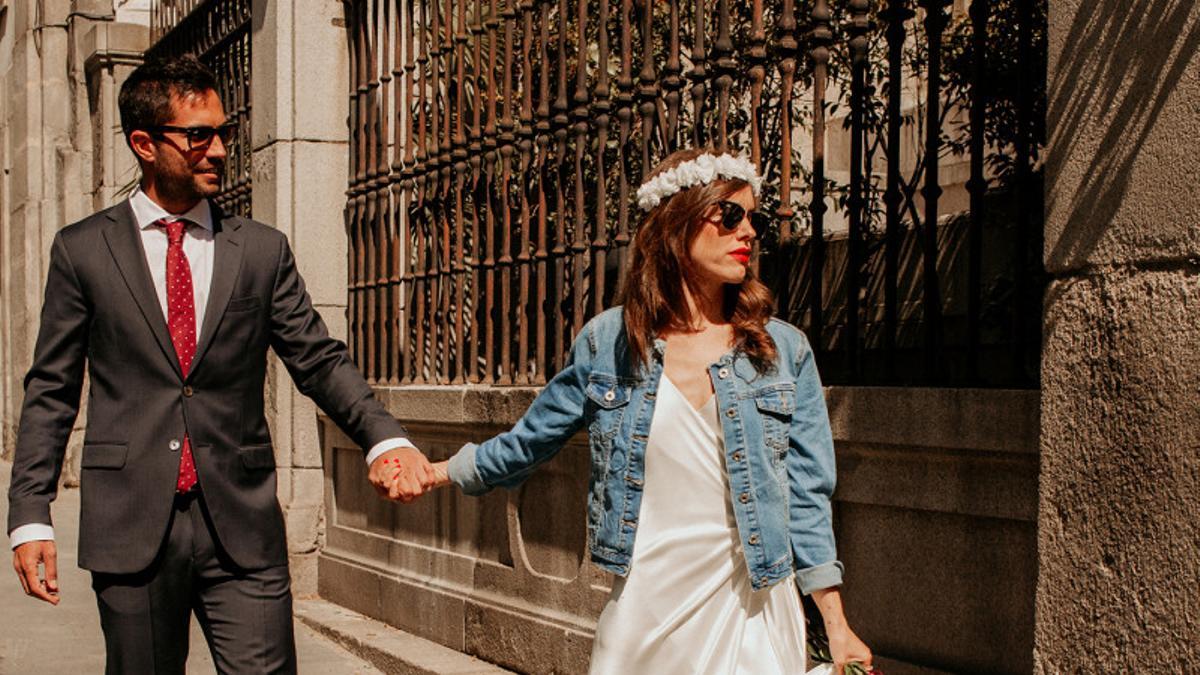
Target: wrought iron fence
<point>495,146</point>
<point>218,33</point>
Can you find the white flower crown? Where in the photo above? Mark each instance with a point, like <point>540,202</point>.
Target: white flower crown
<point>704,169</point>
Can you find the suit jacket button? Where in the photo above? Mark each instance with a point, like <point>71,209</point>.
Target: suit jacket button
<point>187,391</point>
<point>174,444</point>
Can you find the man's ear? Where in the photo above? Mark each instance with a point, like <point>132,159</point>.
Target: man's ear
<point>143,146</point>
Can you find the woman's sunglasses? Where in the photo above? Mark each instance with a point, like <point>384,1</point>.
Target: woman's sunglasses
<point>733,213</point>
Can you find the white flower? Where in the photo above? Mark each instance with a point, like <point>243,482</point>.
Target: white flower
<point>699,171</point>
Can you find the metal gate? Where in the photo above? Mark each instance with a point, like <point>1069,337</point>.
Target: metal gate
<point>495,145</point>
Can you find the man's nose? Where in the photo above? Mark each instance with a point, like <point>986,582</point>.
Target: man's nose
<point>216,149</point>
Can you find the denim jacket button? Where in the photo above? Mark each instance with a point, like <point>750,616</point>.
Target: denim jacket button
<point>753,539</point>
<point>732,412</point>
<point>609,395</point>
<point>723,373</point>
<point>737,456</point>
<point>744,497</point>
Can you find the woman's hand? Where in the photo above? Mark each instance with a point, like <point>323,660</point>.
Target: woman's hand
<point>844,645</point>
<point>441,474</point>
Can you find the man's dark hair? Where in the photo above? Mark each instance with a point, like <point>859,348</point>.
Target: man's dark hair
<point>145,99</point>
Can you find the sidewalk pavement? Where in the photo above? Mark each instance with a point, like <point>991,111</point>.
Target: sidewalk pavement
<point>36,637</point>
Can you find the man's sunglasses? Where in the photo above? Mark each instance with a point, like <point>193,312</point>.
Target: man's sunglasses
<point>199,137</point>
<point>733,213</point>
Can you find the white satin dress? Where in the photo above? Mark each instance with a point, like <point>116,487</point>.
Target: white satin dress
<point>687,605</point>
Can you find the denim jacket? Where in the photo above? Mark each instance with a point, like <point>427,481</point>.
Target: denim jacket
<point>778,449</point>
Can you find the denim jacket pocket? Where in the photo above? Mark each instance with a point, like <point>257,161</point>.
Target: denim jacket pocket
<point>775,404</point>
<point>609,396</point>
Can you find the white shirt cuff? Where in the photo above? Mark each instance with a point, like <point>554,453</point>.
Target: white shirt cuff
<point>384,446</point>
<point>31,532</point>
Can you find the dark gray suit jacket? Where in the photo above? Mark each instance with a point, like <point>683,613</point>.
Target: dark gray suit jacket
<point>101,307</point>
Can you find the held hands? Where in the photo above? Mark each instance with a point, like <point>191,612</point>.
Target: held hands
<point>439,477</point>
<point>402,474</point>
<point>26,558</point>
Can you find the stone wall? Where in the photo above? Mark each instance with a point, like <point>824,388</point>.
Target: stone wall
<point>935,517</point>
<point>1119,517</point>
<point>59,72</point>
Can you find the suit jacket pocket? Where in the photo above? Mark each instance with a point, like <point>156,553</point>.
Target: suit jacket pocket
<point>256,457</point>
<point>242,304</point>
<point>104,456</point>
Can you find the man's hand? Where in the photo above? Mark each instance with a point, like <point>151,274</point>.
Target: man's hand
<point>26,558</point>
<point>402,474</point>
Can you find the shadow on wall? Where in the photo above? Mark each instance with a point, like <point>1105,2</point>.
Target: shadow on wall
<point>1121,60</point>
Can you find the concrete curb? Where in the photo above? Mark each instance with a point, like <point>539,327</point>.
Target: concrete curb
<point>387,648</point>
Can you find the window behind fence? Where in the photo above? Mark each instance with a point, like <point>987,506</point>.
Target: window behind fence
<point>496,146</point>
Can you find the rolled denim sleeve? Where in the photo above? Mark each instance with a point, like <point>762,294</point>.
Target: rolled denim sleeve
<point>554,417</point>
<point>812,475</point>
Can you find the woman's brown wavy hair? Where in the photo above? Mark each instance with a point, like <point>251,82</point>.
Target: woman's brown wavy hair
<point>659,267</point>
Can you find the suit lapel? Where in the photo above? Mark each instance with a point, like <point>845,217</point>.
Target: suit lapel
<point>227,264</point>
<point>125,245</point>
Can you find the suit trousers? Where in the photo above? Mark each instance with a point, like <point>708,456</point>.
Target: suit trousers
<point>246,615</point>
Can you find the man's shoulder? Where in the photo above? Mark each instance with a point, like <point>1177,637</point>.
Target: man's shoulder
<point>86,228</point>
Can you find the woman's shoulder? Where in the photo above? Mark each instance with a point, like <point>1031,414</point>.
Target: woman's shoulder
<point>607,324</point>
<point>791,335</point>
<point>790,341</point>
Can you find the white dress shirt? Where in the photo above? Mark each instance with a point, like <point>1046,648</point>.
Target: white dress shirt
<point>198,247</point>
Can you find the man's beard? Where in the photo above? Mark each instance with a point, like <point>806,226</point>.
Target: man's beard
<point>190,187</point>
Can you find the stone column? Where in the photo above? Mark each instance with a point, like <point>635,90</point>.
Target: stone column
<point>299,135</point>
<point>110,52</point>
<point>48,172</point>
<point>1119,517</point>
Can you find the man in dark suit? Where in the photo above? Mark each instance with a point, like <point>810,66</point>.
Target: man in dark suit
<point>172,305</point>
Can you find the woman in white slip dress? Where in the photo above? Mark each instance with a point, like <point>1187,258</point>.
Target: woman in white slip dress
<point>712,459</point>
<point>687,605</point>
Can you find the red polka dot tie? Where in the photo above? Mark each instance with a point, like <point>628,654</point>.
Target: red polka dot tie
<point>181,320</point>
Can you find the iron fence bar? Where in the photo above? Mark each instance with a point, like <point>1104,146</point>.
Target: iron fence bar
<point>478,197</point>
<point>525,146</point>
<point>542,323</point>
<point>859,26</point>
<point>421,237</point>
<point>977,184</point>
<point>507,150</point>
<point>726,67</point>
<point>931,190</point>
<point>699,75</point>
<point>579,113</point>
<point>788,47</point>
<point>821,38</point>
<point>601,105</point>
<point>560,122</point>
<point>624,100</point>
<point>672,82</point>
<point>647,92</point>
<point>459,156</point>
<point>897,14</point>
<point>757,58</point>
